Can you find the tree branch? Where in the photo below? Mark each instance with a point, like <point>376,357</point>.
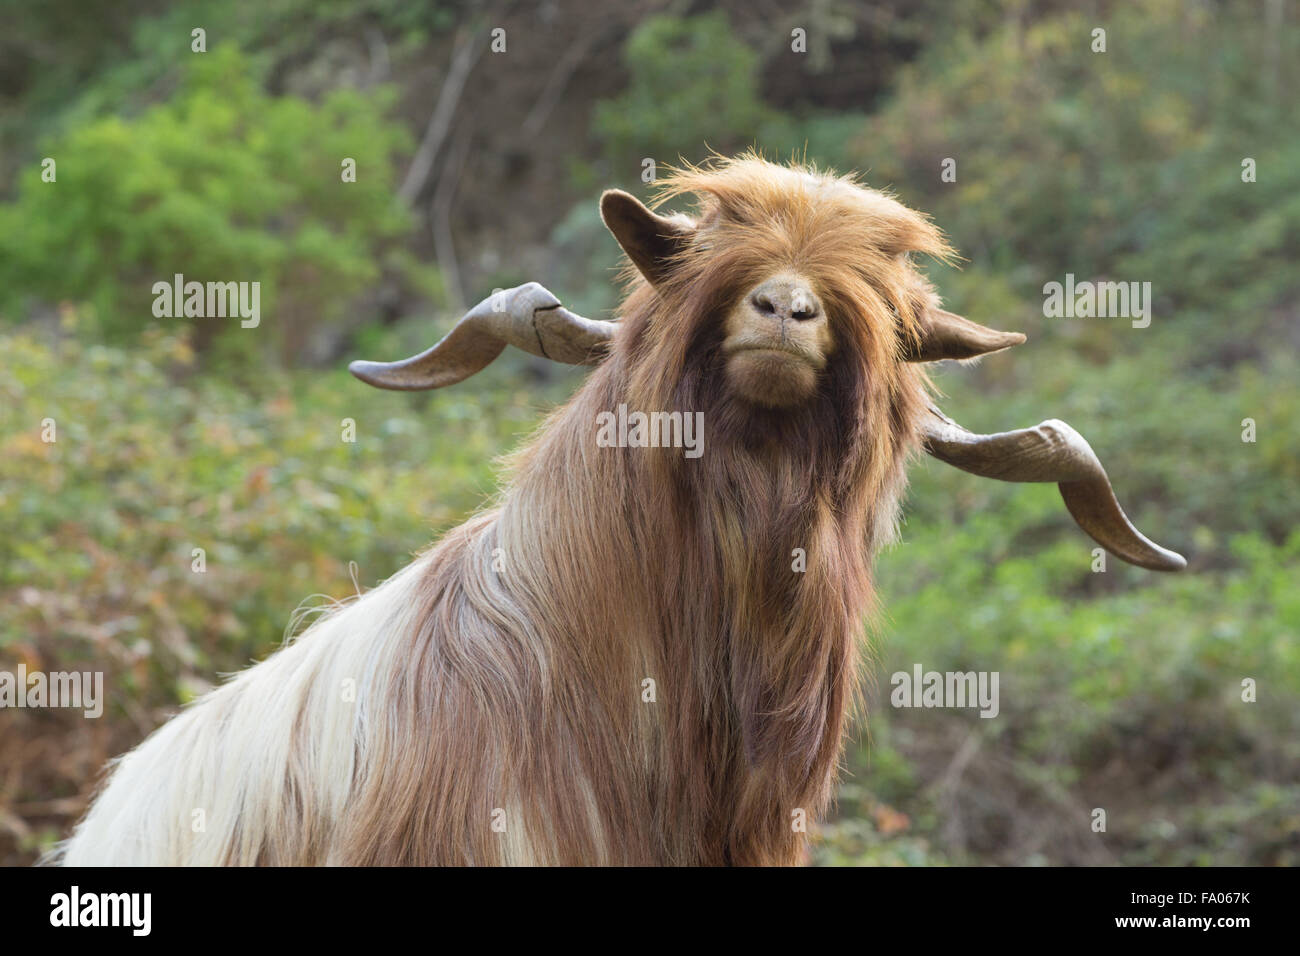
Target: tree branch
<point>468,48</point>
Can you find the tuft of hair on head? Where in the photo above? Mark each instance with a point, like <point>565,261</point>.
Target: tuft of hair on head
<point>746,187</point>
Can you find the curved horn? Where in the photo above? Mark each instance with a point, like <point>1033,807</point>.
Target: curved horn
<point>1051,451</point>
<point>945,335</point>
<point>528,317</point>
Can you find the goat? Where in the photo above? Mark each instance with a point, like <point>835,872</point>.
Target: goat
<point>619,662</point>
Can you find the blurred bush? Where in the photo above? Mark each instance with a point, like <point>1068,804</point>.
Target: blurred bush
<point>1125,164</point>
<point>232,183</point>
<point>691,80</point>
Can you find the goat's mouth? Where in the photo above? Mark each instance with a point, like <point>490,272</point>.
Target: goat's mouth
<point>775,349</point>
<point>772,374</point>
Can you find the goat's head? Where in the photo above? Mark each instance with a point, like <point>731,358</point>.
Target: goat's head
<point>786,275</point>
<point>787,305</point>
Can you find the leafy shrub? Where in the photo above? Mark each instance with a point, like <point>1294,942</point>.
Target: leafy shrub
<point>690,81</point>
<point>220,183</point>
<point>1125,164</point>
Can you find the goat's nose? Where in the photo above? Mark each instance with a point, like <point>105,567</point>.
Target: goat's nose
<point>786,298</point>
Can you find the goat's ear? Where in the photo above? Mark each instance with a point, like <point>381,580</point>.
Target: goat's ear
<point>649,239</point>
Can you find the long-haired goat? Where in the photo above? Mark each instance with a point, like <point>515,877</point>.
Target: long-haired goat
<point>501,713</point>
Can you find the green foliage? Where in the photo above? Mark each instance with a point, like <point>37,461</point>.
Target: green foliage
<point>1124,164</point>
<point>691,81</point>
<point>694,88</point>
<point>222,183</point>
<point>73,60</point>
<point>1106,690</point>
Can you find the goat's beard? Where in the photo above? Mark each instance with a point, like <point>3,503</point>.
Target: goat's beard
<point>816,435</point>
<point>814,483</point>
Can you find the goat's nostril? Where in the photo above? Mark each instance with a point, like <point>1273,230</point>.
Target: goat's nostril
<point>803,306</point>
<point>785,299</point>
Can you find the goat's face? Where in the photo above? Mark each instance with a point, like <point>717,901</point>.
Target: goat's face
<point>784,280</point>
<point>777,340</point>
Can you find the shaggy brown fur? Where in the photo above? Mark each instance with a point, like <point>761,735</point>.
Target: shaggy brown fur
<point>628,563</point>
<point>501,677</point>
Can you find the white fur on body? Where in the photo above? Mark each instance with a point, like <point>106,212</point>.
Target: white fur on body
<point>230,762</point>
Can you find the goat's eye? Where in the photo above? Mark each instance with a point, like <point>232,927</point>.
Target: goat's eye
<point>726,215</point>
